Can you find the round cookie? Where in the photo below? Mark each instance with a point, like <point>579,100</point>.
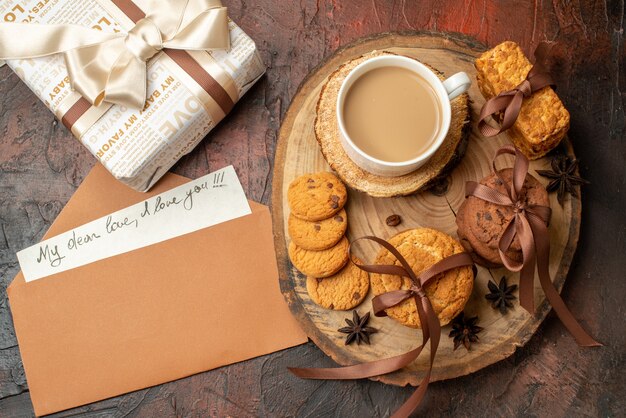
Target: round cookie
<point>480,223</point>
<point>475,248</point>
<point>423,247</point>
<point>316,196</point>
<point>341,291</point>
<point>322,263</point>
<point>318,235</point>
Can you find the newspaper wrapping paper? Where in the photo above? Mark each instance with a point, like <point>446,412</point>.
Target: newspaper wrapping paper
<point>137,146</point>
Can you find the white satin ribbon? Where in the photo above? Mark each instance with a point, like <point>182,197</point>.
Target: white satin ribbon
<point>111,67</point>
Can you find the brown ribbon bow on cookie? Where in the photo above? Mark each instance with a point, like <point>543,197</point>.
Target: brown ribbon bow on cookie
<point>431,329</point>
<point>530,225</point>
<point>510,102</point>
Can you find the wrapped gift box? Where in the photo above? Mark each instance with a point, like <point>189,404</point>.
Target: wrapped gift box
<point>188,92</point>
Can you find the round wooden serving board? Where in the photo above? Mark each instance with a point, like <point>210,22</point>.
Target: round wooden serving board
<point>298,153</point>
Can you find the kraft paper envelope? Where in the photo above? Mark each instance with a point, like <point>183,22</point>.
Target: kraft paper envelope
<point>156,314</point>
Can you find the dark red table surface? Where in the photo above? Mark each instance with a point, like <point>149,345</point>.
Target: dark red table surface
<point>41,165</point>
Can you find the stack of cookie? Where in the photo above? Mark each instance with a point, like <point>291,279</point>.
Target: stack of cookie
<point>543,120</point>
<point>481,223</point>
<point>319,248</point>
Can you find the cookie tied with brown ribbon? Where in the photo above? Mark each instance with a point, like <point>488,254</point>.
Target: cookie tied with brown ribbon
<point>523,224</point>
<point>431,328</point>
<point>519,96</point>
<point>510,102</point>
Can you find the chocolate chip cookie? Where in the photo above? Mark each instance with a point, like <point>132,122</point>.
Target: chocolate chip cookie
<point>481,223</point>
<point>341,291</point>
<point>318,235</point>
<point>316,196</point>
<point>322,263</point>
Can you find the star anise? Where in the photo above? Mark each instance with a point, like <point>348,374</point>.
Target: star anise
<point>464,331</point>
<point>357,329</point>
<point>501,295</point>
<point>563,178</point>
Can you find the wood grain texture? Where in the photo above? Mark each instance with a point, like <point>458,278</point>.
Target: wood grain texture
<point>41,165</point>
<point>298,152</point>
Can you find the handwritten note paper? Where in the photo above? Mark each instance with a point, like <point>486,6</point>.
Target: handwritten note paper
<point>207,201</point>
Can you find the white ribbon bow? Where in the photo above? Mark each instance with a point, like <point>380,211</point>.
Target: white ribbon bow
<point>111,67</point>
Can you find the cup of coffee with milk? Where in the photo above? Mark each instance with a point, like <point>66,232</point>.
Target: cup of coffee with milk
<point>394,113</point>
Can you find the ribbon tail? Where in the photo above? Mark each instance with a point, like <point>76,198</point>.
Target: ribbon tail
<point>23,40</point>
<point>89,68</point>
<point>194,36</point>
<point>512,111</point>
<point>414,400</point>
<point>524,233</point>
<point>492,106</point>
<point>360,371</point>
<point>565,315</point>
<point>506,239</point>
<point>526,288</point>
<point>372,368</point>
<point>432,332</point>
<point>127,82</point>
<point>381,302</point>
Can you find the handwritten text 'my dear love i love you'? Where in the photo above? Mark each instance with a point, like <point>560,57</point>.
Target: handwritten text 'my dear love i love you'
<point>54,254</point>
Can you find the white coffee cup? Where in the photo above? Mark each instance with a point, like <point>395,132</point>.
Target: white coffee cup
<point>445,90</point>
